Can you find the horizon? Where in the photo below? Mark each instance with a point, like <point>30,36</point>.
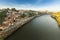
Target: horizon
<point>50,5</point>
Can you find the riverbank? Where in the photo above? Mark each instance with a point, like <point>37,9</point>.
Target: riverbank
<point>56,16</point>
<point>4,34</point>
<point>13,28</point>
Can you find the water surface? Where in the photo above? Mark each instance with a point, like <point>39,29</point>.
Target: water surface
<point>40,28</point>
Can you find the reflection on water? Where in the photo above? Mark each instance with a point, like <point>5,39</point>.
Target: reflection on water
<point>41,28</point>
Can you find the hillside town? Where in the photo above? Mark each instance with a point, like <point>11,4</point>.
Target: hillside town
<point>12,16</point>
<point>12,19</point>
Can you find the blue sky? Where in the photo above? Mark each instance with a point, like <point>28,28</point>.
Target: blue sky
<point>52,5</point>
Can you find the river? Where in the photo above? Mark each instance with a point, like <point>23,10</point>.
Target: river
<point>40,28</point>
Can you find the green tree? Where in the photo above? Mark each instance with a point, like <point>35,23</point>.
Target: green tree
<point>31,13</point>
<point>2,16</point>
<point>23,15</point>
<point>13,9</point>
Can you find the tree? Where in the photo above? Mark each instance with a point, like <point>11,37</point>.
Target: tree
<point>31,13</point>
<point>23,15</point>
<point>13,9</point>
<point>2,16</point>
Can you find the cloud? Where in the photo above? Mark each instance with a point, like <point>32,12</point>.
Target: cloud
<point>52,6</point>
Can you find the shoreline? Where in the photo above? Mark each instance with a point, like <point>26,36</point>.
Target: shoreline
<point>7,32</point>
<point>14,29</point>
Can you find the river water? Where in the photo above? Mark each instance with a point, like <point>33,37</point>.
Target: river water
<point>40,28</point>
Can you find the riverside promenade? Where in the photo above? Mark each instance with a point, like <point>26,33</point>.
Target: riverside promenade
<point>8,31</point>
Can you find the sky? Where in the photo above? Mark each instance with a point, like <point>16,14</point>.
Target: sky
<point>51,5</point>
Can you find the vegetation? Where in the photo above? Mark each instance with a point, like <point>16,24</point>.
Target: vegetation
<point>57,17</point>
<point>13,9</point>
<point>29,13</point>
<point>23,15</point>
<point>2,16</point>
